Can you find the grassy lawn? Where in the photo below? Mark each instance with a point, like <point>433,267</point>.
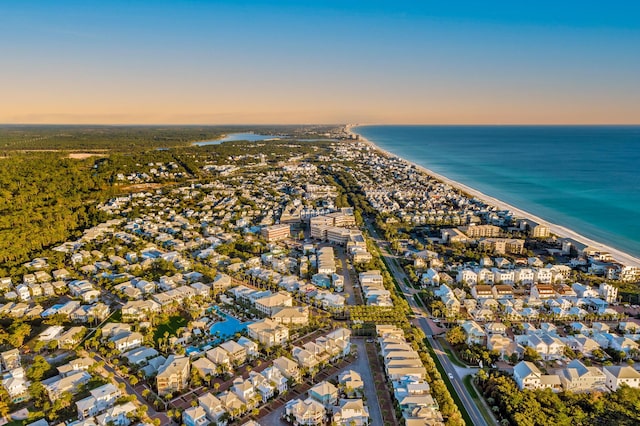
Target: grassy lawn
<point>454,359</point>
<point>477,399</point>
<point>447,382</point>
<point>116,316</point>
<point>174,323</point>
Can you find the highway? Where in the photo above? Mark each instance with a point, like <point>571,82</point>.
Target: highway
<point>426,326</point>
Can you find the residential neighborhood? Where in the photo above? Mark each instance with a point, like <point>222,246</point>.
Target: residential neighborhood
<point>305,294</point>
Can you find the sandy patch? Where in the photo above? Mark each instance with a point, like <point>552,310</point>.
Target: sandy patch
<point>84,155</point>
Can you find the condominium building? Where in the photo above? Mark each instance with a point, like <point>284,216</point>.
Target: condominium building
<point>173,375</point>
<point>276,232</point>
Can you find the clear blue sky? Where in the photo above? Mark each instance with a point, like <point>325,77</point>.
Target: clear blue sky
<point>340,61</point>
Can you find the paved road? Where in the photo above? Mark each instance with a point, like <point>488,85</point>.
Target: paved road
<point>425,325</point>
<point>151,412</point>
<point>346,273</point>
<point>361,365</point>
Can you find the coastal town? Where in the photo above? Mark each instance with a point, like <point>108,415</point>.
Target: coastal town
<point>319,283</point>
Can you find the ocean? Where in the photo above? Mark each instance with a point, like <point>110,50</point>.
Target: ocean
<point>585,178</point>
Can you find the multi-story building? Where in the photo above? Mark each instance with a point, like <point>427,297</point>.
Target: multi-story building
<point>609,292</point>
<point>276,232</point>
<point>502,245</point>
<point>101,399</point>
<point>482,231</point>
<point>268,332</point>
<point>308,412</point>
<point>173,375</point>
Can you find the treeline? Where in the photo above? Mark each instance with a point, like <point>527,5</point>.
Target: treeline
<point>544,407</point>
<point>350,193</point>
<point>125,138</point>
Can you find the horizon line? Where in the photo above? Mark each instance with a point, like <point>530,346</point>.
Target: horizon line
<point>315,124</point>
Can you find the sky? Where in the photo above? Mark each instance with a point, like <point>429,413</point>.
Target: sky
<point>253,62</point>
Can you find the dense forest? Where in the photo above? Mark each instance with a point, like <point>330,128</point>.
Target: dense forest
<point>44,198</point>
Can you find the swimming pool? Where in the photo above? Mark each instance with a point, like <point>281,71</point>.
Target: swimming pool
<point>228,327</point>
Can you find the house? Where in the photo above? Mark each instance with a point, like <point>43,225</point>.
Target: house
<point>528,376</point>
<point>213,408</point>
<point>308,412</point>
<point>57,385</point>
<point>221,282</point>
<point>231,403</point>
<point>325,393</point>
<point>127,340</point>
<point>584,291</point>
<point>628,327</point>
<point>542,291</point>
<point>581,343</point>
<point>111,329</point>
<point>268,332</point>
<point>502,344</point>
<point>548,346</point>
<point>275,376</point>
<point>195,416</point>
<point>298,315</point>
<point>250,347</point>
<point>351,412</point>
<point>411,394</point>
<point>140,310</point>
<point>262,386</point>
<point>351,383</point>
<point>201,289</point>
<point>71,337</point>
<point>245,390</point>
<point>623,344</point>
<point>287,368</point>
<point>78,364</point>
<point>173,375</point>
<point>23,292</point>
<point>502,291</point>
<point>205,367</point>
<point>495,328</point>
<point>237,353</point>
<point>306,359</point>
<point>117,415</point>
<point>10,359</point>
<point>615,376</point>
<point>467,276</point>
<point>268,305</point>
<point>474,333</point>
<point>101,399</point>
<point>577,377</point>
<point>482,292</point>
<point>219,357</point>
<point>16,385</point>
<point>140,356</point>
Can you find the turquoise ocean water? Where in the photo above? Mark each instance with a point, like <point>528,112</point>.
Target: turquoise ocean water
<point>586,178</point>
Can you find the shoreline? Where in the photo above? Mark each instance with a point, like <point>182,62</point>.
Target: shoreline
<point>559,230</point>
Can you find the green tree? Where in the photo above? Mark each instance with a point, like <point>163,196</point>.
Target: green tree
<point>38,369</point>
<point>530,354</point>
<point>456,336</point>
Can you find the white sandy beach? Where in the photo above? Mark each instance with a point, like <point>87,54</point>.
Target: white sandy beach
<point>561,231</point>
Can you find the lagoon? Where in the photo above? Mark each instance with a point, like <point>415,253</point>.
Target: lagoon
<point>234,137</point>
